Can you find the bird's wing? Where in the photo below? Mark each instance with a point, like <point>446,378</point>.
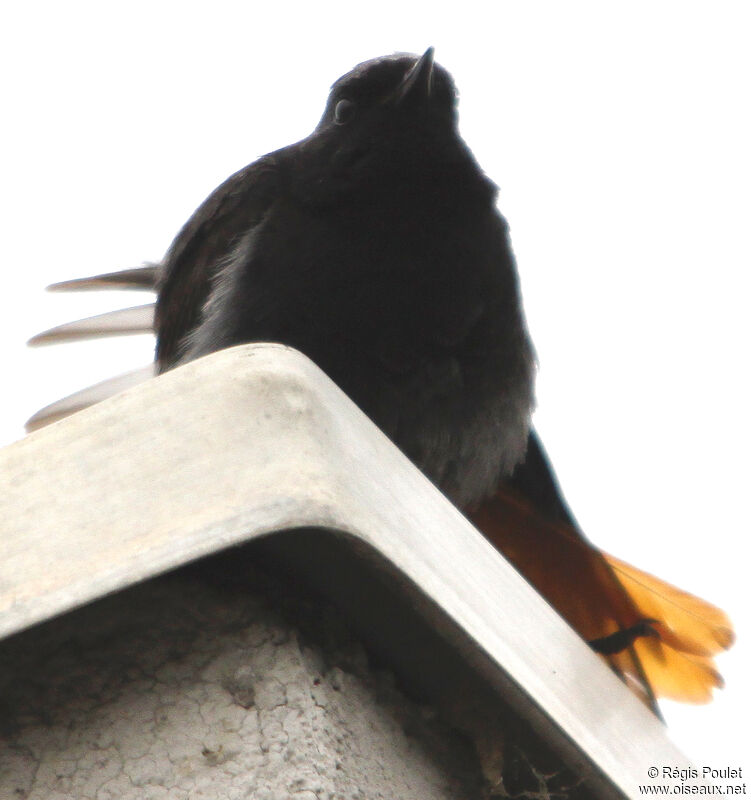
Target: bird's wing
<point>603,598</point>
<point>183,281</point>
<point>201,247</point>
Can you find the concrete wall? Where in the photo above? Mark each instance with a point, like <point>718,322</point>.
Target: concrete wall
<point>183,689</point>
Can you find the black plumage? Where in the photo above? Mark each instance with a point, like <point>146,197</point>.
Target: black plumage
<point>375,247</point>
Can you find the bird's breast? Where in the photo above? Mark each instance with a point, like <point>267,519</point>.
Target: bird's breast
<point>416,316</point>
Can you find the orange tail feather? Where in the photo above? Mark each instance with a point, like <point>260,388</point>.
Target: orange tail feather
<point>599,595</point>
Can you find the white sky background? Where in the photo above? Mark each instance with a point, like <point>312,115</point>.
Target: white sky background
<point>619,135</point>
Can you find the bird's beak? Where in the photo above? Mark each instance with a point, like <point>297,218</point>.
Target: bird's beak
<point>418,81</point>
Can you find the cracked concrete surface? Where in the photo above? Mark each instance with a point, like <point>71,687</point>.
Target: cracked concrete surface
<point>181,689</point>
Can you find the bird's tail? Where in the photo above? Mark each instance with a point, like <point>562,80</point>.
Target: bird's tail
<point>679,661</point>
<point>125,321</point>
<point>659,639</point>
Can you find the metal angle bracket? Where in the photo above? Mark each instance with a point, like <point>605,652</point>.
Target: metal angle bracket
<point>256,440</point>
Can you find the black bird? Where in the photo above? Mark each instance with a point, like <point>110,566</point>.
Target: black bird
<point>375,247</point>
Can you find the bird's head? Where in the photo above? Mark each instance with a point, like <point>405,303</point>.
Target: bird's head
<point>398,92</point>
<point>390,115</point>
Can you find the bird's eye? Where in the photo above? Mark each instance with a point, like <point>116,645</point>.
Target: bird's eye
<point>344,111</point>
